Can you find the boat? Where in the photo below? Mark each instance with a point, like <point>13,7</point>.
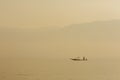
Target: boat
<point>79,59</point>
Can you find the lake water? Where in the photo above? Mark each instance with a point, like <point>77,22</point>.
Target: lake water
<point>59,69</point>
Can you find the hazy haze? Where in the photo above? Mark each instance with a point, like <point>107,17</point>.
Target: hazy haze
<point>42,13</point>
<point>97,39</point>
<point>37,38</point>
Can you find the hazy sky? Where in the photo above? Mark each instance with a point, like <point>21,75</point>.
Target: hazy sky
<point>42,13</point>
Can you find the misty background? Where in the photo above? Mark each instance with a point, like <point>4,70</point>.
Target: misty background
<point>38,38</point>
<point>65,28</point>
<point>98,39</point>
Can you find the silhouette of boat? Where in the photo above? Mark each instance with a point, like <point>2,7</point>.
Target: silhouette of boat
<point>79,59</point>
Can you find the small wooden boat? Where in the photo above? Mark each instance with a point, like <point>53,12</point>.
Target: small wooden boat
<point>78,59</point>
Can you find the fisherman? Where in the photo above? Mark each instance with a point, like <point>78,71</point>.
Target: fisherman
<point>84,58</point>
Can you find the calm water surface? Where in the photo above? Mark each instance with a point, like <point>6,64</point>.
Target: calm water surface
<point>59,69</point>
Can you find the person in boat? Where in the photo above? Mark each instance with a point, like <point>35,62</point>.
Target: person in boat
<point>84,59</point>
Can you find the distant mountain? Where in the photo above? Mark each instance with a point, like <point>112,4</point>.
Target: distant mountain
<point>96,31</point>
<point>100,38</point>
<point>101,30</point>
